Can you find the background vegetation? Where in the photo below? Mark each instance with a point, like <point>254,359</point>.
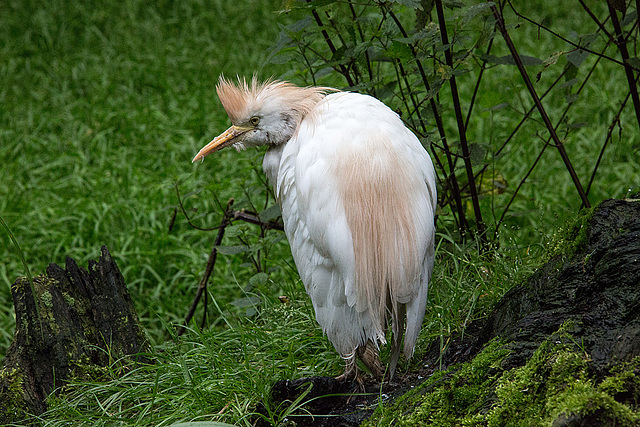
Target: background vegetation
<point>102,107</point>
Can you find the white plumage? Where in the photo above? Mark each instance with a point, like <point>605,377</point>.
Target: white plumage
<point>358,198</point>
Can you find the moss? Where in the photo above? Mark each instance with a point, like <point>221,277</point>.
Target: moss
<point>573,237</point>
<point>555,387</point>
<point>12,400</point>
<point>460,394</point>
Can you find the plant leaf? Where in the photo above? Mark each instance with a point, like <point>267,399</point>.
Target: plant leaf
<point>508,60</point>
<point>272,212</point>
<point>258,279</point>
<point>232,250</point>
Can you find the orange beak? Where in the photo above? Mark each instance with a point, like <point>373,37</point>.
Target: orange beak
<point>225,139</point>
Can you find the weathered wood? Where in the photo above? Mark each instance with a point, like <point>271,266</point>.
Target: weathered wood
<point>87,321</point>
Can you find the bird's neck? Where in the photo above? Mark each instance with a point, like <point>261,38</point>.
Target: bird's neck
<point>271,162</point>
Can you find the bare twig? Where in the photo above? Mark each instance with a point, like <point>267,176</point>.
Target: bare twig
<point>186,215</point>
<point>451,177</point>
<point>254,219</point>
<point>466,154</point>
<point>540,107</point>
<point>615,120</point>
<point>628,69</point>
<point>202,287</point>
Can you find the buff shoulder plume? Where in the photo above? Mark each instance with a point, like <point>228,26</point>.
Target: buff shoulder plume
<point>238,99</point>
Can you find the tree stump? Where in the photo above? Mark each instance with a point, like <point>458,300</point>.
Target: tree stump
<point>87,320</point>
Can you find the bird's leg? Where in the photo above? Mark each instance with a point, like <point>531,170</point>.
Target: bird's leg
<point>351,370</point>
<point>369,354</point>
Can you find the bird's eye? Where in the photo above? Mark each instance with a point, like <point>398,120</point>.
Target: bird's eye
<point>253,121</point>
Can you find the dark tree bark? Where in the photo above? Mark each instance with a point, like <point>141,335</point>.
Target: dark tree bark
<point>597,288</point>
<point>87,320</point>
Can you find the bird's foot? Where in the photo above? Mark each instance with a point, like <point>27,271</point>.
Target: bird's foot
<point>350,372</point>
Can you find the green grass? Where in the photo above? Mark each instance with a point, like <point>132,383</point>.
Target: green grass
<point>102,107</point>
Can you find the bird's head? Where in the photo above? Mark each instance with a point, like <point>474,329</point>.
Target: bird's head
<point>261,113</point>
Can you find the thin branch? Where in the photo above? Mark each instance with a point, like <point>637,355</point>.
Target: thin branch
<point>540,107</point>
<point>466,154</point>
<point>622,47</point>
<point>451,178</point>
<point>254,219</point>
<point>586,49</point>
<point>202,286</point>
<point>615,120</point>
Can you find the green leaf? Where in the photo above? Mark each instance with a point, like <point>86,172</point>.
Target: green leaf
<point>300,25</point>
<point>258,279</point>
<point>473,11</point>
<point>508,60</point>
<point>247,301</point>
<point>270,213</point>
<point>634,62</point>
<point>499,106</point>
<point>233,231</point>
<point>629,18</point>
<point>477,153</point>
<point>577,57</point>
<point>232,250</point>
<point>399,50</point>
<point>413,4</point>
<point>387,90</point>
<point>553,58</point>
<point>571,98</point>
<point>568,83</point>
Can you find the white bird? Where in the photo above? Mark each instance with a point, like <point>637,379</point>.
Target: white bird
<point>358,196</point>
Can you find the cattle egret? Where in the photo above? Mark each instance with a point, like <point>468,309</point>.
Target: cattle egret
<point>358,196</point>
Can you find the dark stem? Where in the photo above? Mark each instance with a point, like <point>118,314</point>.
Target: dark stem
<point>540,107</point>
<point>622,47</point>
<point>451,178</point>
<point>461,126</point>
<point>616,119</point>
<point>343,70</point>
<point>202,287</point>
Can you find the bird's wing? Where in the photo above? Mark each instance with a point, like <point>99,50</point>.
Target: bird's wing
<point>358,201</point>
